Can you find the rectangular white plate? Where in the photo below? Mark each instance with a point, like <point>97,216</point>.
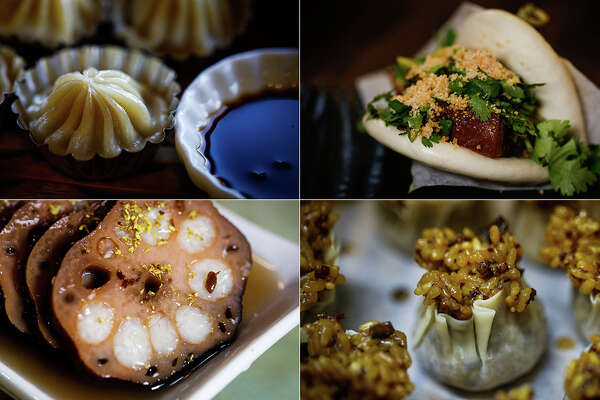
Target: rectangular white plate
<point>270,311</point>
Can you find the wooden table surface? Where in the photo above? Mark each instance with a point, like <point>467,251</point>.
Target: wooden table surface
<point>343,39</point>
<point>25,174</point>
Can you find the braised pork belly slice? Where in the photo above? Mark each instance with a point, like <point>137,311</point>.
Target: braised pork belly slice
<point>155,286</point>
<point>47,254</point>
<point>485,138</point>
<point>17,239</point>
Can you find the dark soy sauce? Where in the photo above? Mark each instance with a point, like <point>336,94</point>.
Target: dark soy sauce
<point>253,145</point>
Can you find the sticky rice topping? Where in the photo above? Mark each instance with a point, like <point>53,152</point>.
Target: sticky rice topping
<point>369,364</point>
<point>463,267</point>
<point>582,381</point>
<point>573,244</point>
<point>317,252</point>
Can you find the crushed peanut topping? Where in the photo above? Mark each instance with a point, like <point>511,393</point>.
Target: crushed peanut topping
<point>158,269</point>
<point>475,63</point>
<point>573,244</point>
<point>582,380</point>
<point>479,63</point>
<point>465,267</point>
<point>372,363</point>
<point>317,271</point>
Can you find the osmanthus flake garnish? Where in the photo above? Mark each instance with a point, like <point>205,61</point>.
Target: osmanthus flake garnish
<point>467,98</point>
<point>479,325</point>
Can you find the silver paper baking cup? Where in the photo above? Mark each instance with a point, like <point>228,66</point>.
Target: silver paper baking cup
<point>16,64</point>
<point>145,69</point>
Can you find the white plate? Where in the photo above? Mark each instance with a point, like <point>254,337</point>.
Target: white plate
<point>26,374</point>
<point>230,79</point>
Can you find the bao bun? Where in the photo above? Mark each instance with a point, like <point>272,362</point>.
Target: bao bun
<point>523,50</point>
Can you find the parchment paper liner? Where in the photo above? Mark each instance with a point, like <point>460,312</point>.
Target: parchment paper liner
<point>240,16</point>
<point>147,70</point>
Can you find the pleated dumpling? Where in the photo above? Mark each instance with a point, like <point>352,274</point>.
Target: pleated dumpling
<point>479,325</point>
<point>51,22</point>
<point>97,112</point>
<point>181,27</point>
<point>12,67</point>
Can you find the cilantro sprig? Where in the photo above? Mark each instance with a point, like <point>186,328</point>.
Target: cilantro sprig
<point>572,165</point>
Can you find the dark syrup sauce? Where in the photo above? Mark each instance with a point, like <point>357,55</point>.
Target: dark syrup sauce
<point>252,145</point>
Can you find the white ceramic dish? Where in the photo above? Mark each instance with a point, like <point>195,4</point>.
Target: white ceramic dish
<point>25,374</point>
<point>232,78</point>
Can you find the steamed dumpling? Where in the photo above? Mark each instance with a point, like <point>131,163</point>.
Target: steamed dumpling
<point>11,69</point>
<point>182,27</point>
<point>582,380</point>
<point>51,22</point>
<point>319,251</point>
<point>572,243</point>
<point>96,112</point>
<point>479,326</point>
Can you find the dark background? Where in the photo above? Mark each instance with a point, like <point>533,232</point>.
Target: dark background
<point>344,39</point>
<point>24,173</point>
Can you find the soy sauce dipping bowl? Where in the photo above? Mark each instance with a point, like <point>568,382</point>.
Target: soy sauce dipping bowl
<point>241,75</point>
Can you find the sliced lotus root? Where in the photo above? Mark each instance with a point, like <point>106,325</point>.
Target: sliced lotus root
<point>17,238</point>
<point>7,209</point>
<point>47,254</point>
<point>155,286</point>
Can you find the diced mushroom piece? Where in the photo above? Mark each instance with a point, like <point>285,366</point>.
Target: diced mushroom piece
<point>47,254</point>
<point>17,239</point>
<point>140,263</point>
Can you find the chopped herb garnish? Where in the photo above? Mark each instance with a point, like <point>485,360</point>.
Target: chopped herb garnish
<point>445,127</point>
<point>448,39</point>
<point>481,108</point>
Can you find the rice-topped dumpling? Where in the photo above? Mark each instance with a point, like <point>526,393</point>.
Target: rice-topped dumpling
<point>573,243</point>
<point>479,325</point>
<point>369,364</point>
<point>319,252</point>
<point>582,380</point>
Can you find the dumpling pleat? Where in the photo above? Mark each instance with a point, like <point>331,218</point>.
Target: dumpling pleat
<point>125,132</point>
<point>57,109</point>
<point>82,141</point>
<point>109,147</point>
<point>58,141</point>
<point>135,107</point>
